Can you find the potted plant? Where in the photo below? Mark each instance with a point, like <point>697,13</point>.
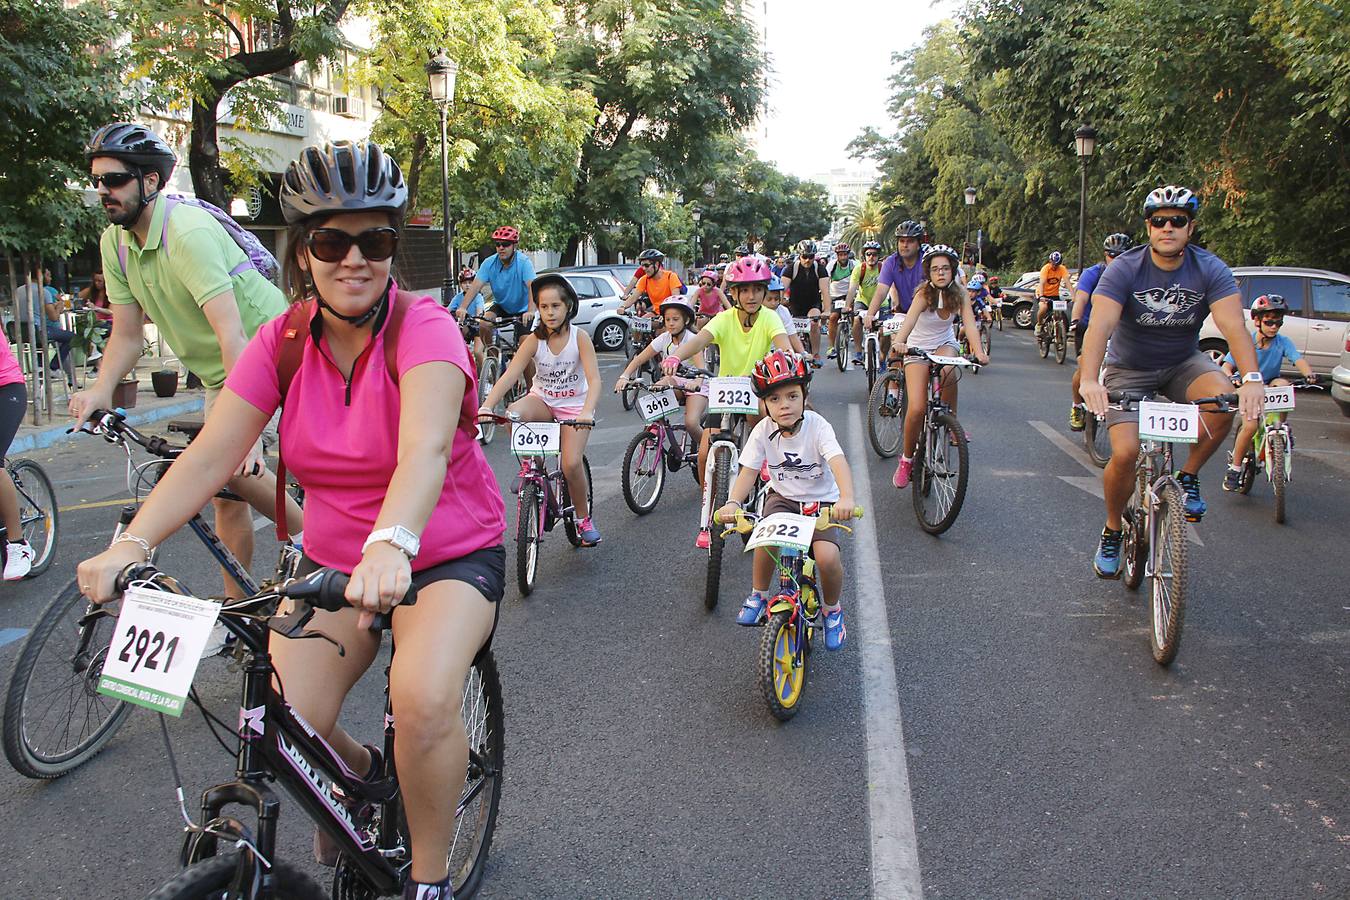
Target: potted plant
<point>165,382</point>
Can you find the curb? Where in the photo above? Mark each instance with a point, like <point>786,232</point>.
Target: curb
<point>56,434</point>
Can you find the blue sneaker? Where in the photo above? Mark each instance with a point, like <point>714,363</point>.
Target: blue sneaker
<point>1195,504</point>
<point>1107,561</point>
<point>752,610</point>
<point>590,535</point>
<point>835,634</point>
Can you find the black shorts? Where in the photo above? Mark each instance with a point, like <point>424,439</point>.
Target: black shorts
<point>484,570</point>
<point>521,327</point>
<point>1078,338</point>
<point>801,310</point>
<point>13,404</point>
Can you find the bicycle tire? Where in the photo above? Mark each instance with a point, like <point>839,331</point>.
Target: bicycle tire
<point>1097,440</point>
<point>871,364</point>
<point>571,524</point>
<point>886,436</point>
<point>1279,484</point>
<point>210,877</point>
<point>933,481</point>
<point>1248,473</point>
<point>986,338</point>
<point>644,448</point>
<point>487,738</point>
<point>38,509</point>
<point>85,667</point>
<point>488,373</point>
<point>782,683</point>
<point>527,538</point>
<point>1043,341</point>
<point>1061,342</point>
<point>720,487</point>
<point>1168,586</point>
<point>841,344</point>
<point>1134,546</point>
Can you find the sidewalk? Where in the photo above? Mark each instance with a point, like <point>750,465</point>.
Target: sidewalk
<point>148,408</point>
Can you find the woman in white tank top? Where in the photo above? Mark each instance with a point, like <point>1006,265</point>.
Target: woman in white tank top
<point>566,385</point>
<point>938,304</point>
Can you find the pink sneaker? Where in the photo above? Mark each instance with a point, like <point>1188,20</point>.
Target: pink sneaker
<point>704,539</point>
<point>901,478</point>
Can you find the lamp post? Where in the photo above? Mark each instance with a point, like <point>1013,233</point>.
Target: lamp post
<point>697,215</point>
<point>441,71</point>
<point>1085,141</point>
<point>970,203</point>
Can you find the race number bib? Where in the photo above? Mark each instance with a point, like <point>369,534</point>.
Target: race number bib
<point>536,438</point>
<point>640,325</point>
<point>155,648</point>
<point>801,326</point>
<point>783,530</point>
<point>892,325</point>
<point>840,303</point>
<point>949,360</point>
<point>1175,422</point>
<point>732,395</point>
<point>1059,305</point>
<point>1280,399</point>
<point>657,406</point>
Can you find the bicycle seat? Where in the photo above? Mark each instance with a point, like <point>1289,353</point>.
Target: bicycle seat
<point>189,427</point>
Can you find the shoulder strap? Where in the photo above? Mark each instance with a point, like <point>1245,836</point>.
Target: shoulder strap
<point>290,351</point>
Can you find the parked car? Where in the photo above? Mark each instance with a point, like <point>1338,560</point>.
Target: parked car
<point>1319,311</point>
<point>1340,381</point>
<point>599,290</point>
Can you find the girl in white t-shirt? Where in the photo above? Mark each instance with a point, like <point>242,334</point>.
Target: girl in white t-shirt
<point>677,314</point>
<point>566,385</point>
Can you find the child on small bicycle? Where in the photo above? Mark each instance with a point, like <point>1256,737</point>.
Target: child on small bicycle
<point>566,386</point>
<point>807,471</point>
<point>774,301</point>
<point>1272,349</point>
<point>939,303</point>
<point>678,316</point>
<point>709,299</point>
<point>470,310</point>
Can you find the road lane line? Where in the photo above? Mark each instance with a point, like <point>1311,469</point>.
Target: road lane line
<point>894,843</point>
<point>100,504</point>
<point>10,635</point>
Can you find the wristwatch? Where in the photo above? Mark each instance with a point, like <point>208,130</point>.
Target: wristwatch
<point>402,539</point>
<point>1252,378</point>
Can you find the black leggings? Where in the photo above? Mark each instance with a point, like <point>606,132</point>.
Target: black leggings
<point>13,404</point>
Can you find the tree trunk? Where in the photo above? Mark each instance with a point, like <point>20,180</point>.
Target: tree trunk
<point>414,174</point>
<point>569,254</point>
<point>208,178</point>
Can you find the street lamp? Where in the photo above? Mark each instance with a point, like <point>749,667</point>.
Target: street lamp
<point>970,203</point>
<point>441,71</point>
<point>697,215</point>
<point>1085,141</point>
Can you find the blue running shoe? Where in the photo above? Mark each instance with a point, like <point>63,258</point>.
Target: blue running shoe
<point>590,535</point>
<point>752,610</point>
<point>1195,504</point>
<point>835,633</point>
<point>1107,561</point>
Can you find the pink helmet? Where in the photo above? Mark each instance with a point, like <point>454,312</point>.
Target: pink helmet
<point>709,273</point>
<point>749,270</point>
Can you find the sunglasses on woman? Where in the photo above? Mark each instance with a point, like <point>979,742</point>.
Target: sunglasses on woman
<point>333,244</point>
<point>112,179</point>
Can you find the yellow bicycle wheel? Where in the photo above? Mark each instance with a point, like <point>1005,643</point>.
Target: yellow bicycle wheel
<point>782,666</point>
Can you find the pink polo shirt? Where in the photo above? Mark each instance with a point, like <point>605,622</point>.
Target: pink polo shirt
<point>342,443</point>
<point>10,373</point>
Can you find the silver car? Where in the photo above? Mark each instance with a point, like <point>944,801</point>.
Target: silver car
<point>598,293</point>
<point>1319,311</point>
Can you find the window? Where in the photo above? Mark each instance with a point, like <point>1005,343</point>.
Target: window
<point>1331,299</point>
<point>586,288</point>
<point>1290,287</point>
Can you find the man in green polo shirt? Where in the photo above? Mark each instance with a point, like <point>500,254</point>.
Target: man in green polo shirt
<point>195,284</point>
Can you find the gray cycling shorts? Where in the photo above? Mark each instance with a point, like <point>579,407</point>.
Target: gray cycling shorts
<point>1172,382</point>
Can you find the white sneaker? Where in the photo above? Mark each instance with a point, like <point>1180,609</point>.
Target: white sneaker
<point>19,560</point>
<point>220,641</point>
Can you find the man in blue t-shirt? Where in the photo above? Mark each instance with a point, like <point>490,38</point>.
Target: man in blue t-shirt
<point>1151,303</point>
<point>510,274</point>
<point>1113,246</point>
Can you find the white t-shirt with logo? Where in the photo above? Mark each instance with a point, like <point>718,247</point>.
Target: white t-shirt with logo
<point>798,465</point>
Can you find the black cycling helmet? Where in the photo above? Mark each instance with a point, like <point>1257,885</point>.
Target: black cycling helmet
<point>651,254</point>
<point>134,144</point>
<point>909,229</point>
<point>555,279</point>
<point>343,176</point>
<point>1116,244</point>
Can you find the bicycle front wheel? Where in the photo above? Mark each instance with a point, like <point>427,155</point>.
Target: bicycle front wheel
<point>721,485</point>
<point>782,665</point>
<point>886,415</point>
<point>644,473</point>
<point>841,344</point>
<point>488,373</point>
<point>1043,341</point>
<point>942,471</point>
<point>1097,439</point>
<point>476,815</point>
<point>213,877</point>
<point>986,337</point>
<point>55,720</point>
<point>1061,342</point>
<point>1279,480</point>
<point>1168,585</point>
<point>871,363</point>
<point>527,538</point>
<point>37,512</point>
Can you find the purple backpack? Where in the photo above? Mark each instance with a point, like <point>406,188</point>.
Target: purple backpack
<point>258,256</point>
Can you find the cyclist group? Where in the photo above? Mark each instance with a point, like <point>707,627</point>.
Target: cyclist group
<point>373,393</point>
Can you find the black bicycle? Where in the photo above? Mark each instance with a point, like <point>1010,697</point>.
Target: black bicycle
<point>363,818</point>
<point>37,513</point>
<point>54,718</point>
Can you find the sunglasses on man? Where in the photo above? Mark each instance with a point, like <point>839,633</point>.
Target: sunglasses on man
<point>1177,221</point>
<point>333,244</point>
<point>501,244</point>
<point>112,179</point>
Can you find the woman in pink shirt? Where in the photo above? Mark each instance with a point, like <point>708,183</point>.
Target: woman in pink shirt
<point>397,490</point>
<point>13,401</point>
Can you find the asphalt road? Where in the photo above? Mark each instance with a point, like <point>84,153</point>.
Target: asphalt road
<point>1044,753</point>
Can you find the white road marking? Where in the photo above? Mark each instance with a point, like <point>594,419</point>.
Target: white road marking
<point>10,635</point>
<point>895,846</point>
<point>1093,484</point>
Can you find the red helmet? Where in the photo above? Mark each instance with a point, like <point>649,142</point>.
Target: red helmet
<point>749,270</point>
<point>777,369</point>
<point>507,233</point>
<point>466,274</point>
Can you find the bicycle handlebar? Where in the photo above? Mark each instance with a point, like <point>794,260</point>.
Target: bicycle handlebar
<point>744,522</point>
<point>114,427</point>
<point>1128,400</point>
<point>514,419</point>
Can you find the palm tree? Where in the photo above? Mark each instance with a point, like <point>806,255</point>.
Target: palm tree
<point>864,220</point>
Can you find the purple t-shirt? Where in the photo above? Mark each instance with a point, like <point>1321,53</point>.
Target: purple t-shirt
<point>906,281</point>
<point>1163,311</point>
